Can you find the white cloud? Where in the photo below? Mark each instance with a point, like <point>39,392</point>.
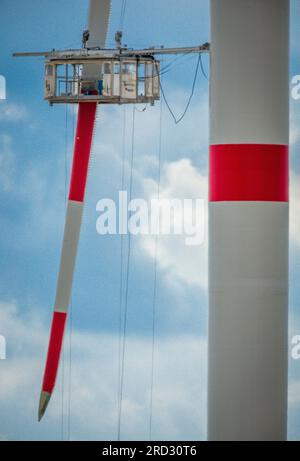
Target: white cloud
<point>36,191</point>
<point>180,262</point>
<point>179,405</point>
<point>184,140</point>
<point>10,112</point>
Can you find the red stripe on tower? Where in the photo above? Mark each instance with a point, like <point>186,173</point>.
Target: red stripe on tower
<point>257,172</point>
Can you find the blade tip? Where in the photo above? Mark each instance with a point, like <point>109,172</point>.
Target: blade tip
<point>44,400</point>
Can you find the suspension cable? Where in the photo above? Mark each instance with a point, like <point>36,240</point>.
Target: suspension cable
<point>202,68</point>
<point>71,323</point>
<point>122,15</point>
<point>65,206</point>
<point>178,120</point>
<point>121,265</point>
<point>126,282</point>
<point>154,298</point>
<point>173,62</point>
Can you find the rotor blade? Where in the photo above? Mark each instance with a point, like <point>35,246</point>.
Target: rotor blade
<point>99,14</point>
<point>98,24</point>
<point>82,149</point>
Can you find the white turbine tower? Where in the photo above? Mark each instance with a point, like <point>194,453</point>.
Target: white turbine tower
<point>248,222</point>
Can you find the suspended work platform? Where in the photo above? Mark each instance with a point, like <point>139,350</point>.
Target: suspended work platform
<point>105,80</point>
<point>105,76</point>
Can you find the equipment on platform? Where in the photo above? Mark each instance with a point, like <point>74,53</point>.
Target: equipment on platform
<point>119,80</point>
<point>117,76</point>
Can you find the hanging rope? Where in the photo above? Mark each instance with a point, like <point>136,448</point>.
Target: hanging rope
<point>70,373</point>
<point>154,298</point>
<point>66,154</point>
<point>71,322</point>
<point>122,15</point>
<point>202,68</point>
<point>178,120</point>
<point>174,62</point>
<point>126,283</point>
<point>121,267</point>
<point>65,204</point>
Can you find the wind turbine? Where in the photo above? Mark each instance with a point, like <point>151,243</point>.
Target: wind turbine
<point>248,195</point>
<point>92,75</point>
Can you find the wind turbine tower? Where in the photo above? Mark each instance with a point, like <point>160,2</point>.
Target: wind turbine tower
<point>248,220</point>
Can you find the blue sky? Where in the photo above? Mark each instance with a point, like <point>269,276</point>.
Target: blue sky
<point>32,192</point>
